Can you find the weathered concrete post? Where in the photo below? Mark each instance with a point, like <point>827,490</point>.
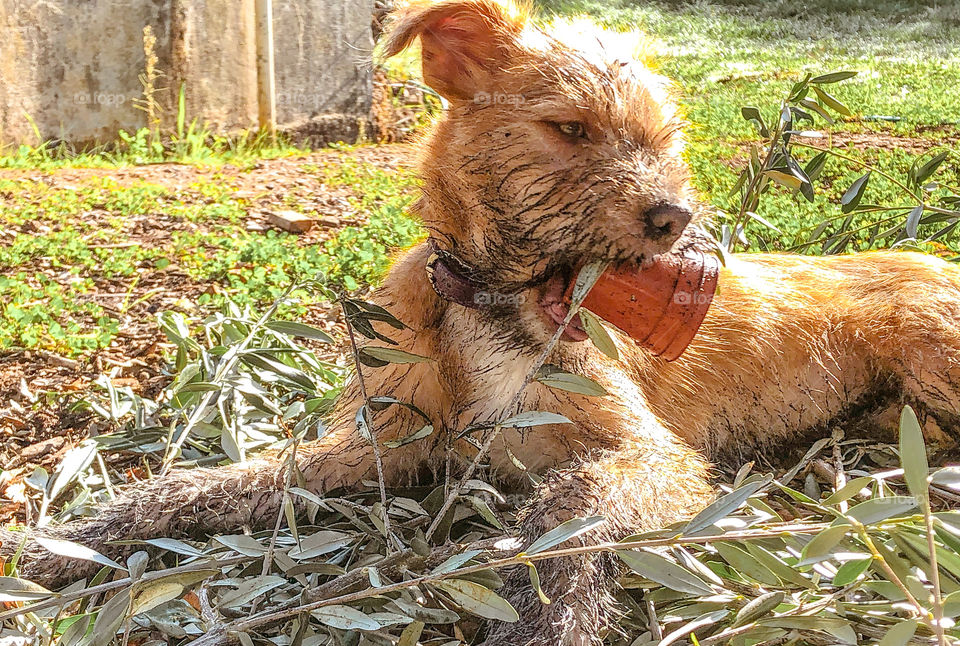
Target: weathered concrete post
<point>71,67</point>
<point>266,85</point>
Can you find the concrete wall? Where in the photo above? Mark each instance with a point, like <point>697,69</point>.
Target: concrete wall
<point>323,71</point>
<point>73,66</point>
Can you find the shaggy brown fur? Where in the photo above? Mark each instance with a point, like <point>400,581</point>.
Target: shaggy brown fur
<point>550,155</point>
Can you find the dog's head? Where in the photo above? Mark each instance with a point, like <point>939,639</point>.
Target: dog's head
<point>551,153</point>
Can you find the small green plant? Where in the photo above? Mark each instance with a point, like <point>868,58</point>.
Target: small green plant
<point>931,206</point>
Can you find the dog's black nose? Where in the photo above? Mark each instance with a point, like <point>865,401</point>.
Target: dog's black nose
<point>668,220</point>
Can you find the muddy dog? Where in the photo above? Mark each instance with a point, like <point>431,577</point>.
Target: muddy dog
<point>552,154</point>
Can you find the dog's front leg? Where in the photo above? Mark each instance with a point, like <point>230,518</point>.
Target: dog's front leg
<point>635,487</point>
<point>189,503</point>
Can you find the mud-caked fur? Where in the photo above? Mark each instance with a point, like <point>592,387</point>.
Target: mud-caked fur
<point>551,154</point>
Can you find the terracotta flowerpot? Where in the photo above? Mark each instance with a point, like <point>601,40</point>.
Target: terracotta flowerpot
<point>660,305</point>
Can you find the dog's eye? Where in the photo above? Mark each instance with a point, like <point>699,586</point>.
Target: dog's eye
<point>572,129</point>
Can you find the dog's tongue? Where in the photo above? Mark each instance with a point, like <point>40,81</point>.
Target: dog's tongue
<point>660,305</point>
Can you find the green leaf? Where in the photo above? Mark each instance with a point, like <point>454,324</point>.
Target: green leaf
<point>109,618</point>
<point>426,615</point>
<point>375,312</point>
<point>816,107</point>
<point>197,387</point>
<point>776,565</point>
<point>411,634</point>
<point>762,605</point>
<point>800,88</point>
<point>763,221</point>
<point>833,77</point>
<point>148,596</point>
<point>913,221</point>
<point>382,403</point>
<point>75,551</point>
<point>723,507</point>
<point>478,600</point>
<point>741,180</point>
<point>832,102</point>
<point>74,462</point>
<point>839,628</point>
<point>456,561</point>
<point>922,174</point>
<point>363,424</point>
<point>302,330</point>
<point>586,278</point>
<point>848,491</point>
<point>259,359</point>
<point>751,113</point>
<point>484,510</point>
<point>173,545</point>
<point>535,583</point>
<point>880,509</point>
<point>319,543</point>
<point>564,532</point>
<point>746,564</point>
<point>660,570</point>
<point>424,432</point>
<point>598,334</point>
<point>562,380</point>
<point>784,179</point>
<point>391,355</point>
<point>344,618</point>
<point>947,477</point>
<point>913,453</point>
<point>852,197</point>
<point>815,166</point>
<point>242,544</point>
<point>849,571</point>
<point>137,564</point>
<point>13,589</point>
<point>257,399</point>
<point>75,632</point>
<point>249,590</point>
<point>686,630</point>
<point>900,634</point>
<point>951,604</point>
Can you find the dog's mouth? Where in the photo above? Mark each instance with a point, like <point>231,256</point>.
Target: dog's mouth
<point>554,308</point>
<point>660,303</point>
<point>557,285</point>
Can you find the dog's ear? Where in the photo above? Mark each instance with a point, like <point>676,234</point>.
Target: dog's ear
<point>464,42</point>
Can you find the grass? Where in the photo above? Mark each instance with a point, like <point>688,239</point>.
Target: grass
<point>190,145</point>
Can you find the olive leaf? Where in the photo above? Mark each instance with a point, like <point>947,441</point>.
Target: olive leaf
<point>564,532</point>
<point>658,569</point>
<point>560,379</point>
<point>598,334</point>
<point>478,600</point>
<point>913,453</point>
